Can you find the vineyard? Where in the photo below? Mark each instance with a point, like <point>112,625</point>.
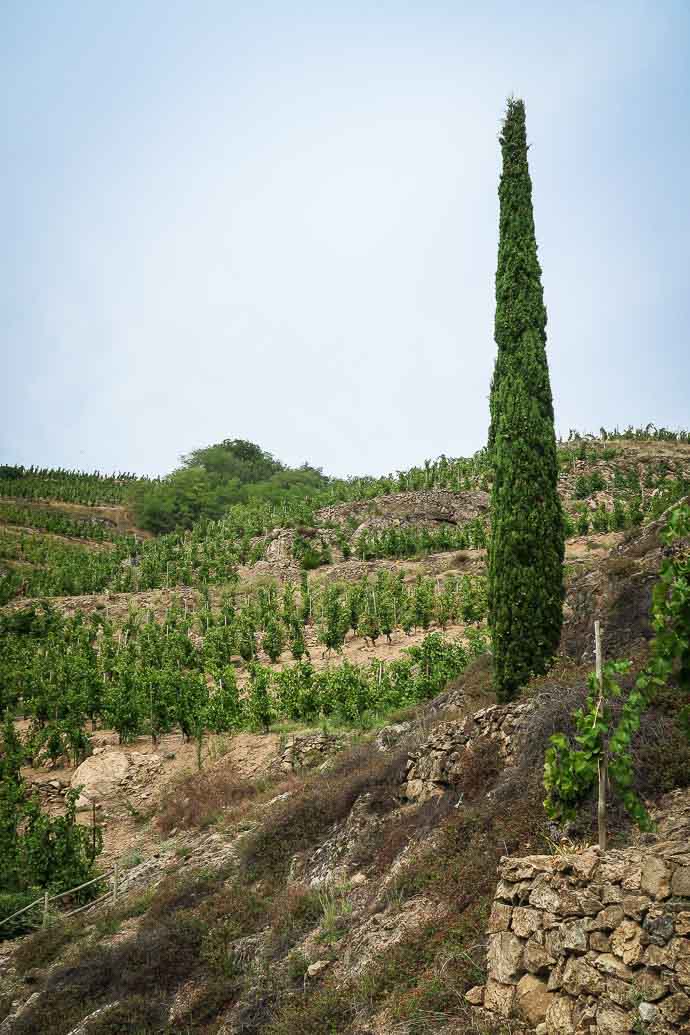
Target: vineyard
<point>213,670</point>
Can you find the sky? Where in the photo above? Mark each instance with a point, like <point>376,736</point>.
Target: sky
<point>278,221</point>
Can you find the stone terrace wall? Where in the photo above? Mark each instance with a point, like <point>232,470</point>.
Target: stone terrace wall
<point>593,942</point>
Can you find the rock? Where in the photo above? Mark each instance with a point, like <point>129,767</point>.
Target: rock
<point>613,967</point>
<point>619,992</point>
<point>683,924</point>
<point>635,906</point>
<point>499,919</point>
<point>536,959</point>
<point>579,978</point>
<point>314,969</point>
<point>676,1008</point>
<point>654,878</point>
<point>559,1016</point>
<point>650,985</point>
<point>607,919</point>
<point>611,893</point>
<point>83,804</point>
<point>100,775</point>
<point>659,929</point>
<point>505,957</point>
<point>655,956</point>
<point>499,998</point>
<point>475,995</point>
<point>626,942</point>
<point>544,896</point>
<point>612,1021</point>
<point>532,999</point>
<point>680,883</point>
<point>599,942</point>
<point>649,1013</point>
<point>525,921</point>
<point>357,879</point>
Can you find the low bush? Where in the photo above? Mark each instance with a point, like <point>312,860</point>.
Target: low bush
<point>137,1014</point>
<point>324,799</point>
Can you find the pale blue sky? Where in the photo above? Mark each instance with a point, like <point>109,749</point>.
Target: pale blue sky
<point>278,221</point>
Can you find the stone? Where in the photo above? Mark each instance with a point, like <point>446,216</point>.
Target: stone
<point>555,982</point>
<point>680,882</point>
<point>599,942</point>
<point>659,928</point>
<point>475,995</point>
<point>525,921</point>
<point>619,992</point>
<point>512,892</point>
<point>626,942</point>
<point>585,863</point>
<point>559,1016</point>
<point>633,880</point>
<point>532,999</point>
<point>613,867</point>
<point>649,1013</point>
<point>635,906</point>
<point>536,959</point>
<point>683,924</point>
<point>611,966</point>
<point>357,879</point>
<point>500,918</point>
<point>611,893</point>
<point>505,957</point>
<point>683,971</point>
<point>314,969</point>
<point>676,1008</point>
<point>544,896</point>
<point>655,956</point>
<point>575,936</point>
<point>99,776</point>
<point>526,867</point>
<point>499,998</point>
<point>654,878</point>
<point>579,978</point>
<point>607,919</point>
<point>612,1021</point>
<point>650,985</point>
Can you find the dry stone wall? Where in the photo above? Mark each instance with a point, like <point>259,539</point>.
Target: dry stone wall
<point>595,942</point>
<point>436,765</point>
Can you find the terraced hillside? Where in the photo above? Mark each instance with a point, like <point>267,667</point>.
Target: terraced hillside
<point>265,715</point>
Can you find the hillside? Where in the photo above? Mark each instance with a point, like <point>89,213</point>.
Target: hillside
<point>331,867</point>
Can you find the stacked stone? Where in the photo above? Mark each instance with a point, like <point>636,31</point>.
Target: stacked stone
<point>593,942</point>
<point>435,767</point>
<point>434,504</point>
<point>309,750</point>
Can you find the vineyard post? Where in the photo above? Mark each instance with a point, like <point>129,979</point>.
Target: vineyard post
<point>603,760</point>
<point>116,877</point>
<point>93,830</point>
<point>45,909</point>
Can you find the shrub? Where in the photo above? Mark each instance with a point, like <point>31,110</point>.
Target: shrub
<point>298,822</point>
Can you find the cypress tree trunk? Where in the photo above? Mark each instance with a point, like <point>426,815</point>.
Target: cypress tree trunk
<point>527,537</point>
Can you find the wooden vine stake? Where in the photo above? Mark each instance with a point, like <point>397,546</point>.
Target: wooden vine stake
<point>603,759</point>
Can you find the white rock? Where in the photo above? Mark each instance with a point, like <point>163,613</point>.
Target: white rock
<point>99,775</point>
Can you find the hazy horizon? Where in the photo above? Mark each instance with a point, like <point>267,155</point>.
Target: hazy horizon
<point>281,225</point>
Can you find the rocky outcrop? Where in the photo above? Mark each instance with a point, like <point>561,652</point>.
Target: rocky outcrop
<point>595,942</point>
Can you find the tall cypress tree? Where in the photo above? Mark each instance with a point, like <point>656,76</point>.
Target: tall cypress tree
<point>527,536</point>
